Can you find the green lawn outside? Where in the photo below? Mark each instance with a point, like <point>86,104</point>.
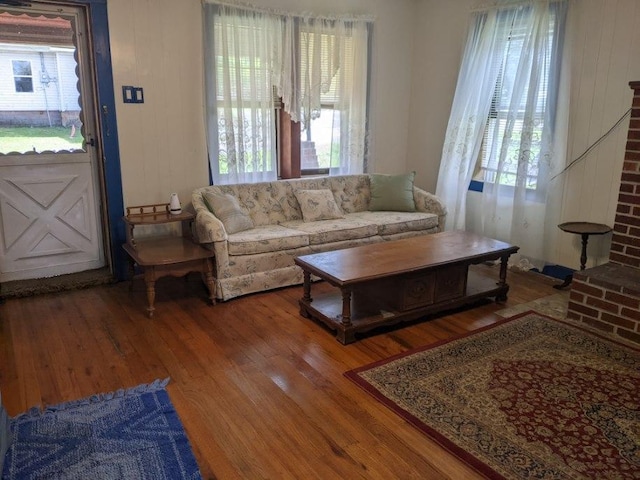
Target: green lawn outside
<point>31,139</point>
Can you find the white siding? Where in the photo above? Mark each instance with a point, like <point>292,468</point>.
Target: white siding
<point>59,94</point>
<point>12,100</point>
<point>68,81</point>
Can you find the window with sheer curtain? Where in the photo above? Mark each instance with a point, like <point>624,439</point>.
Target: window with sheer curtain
<point>512,145</point>
<point>265,68</point>
<point>504,123</point>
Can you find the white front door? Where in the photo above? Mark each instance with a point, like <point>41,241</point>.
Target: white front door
<point>50,219</point>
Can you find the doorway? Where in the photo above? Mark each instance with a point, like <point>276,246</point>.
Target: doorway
<point>54,219</point>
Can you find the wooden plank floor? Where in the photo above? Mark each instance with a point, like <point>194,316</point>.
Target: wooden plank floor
<point>260,390</point>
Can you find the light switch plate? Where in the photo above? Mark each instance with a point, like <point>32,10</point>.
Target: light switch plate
<point>131,94</point>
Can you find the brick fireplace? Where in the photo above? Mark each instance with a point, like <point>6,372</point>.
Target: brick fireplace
<point>607,297</point>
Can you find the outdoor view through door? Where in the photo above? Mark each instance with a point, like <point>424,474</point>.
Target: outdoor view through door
<point>49,189</point>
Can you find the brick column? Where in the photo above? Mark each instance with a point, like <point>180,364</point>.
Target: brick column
<point>625,243</point>
<point>607,297</point>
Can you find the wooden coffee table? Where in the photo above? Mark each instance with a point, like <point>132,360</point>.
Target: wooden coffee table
<point>402,280</point>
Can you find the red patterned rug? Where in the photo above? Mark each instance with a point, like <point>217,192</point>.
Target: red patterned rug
<point>529,397</point>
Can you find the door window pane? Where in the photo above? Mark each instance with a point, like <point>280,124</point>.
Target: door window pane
<point>41,111</point>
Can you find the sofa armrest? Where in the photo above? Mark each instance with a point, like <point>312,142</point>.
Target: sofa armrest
<point>209,228</point>
<point>429,203</point>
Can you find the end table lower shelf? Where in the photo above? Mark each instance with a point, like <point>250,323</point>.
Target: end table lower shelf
<point>170,256</point>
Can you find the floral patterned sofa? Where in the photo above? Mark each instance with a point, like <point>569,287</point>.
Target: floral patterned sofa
<point>259,228</point>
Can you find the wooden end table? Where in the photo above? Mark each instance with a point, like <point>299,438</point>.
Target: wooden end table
<point>584,229</point>
<point>167,255</point>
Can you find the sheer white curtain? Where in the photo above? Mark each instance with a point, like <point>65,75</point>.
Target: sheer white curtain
<point>505,134</point>
<point>329,78</point>
<point>318,65</point>
<point>469,112</point>
<point>242,48</point>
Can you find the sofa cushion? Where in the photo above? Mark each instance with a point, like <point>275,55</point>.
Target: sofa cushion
<point>328,231</point>
<point>390,223</point>
<point>228,211</point>
<point>266,238</point>
<point>392,192</point>
<point>260,200</point>
<point>352,192</point>
<point>318,205</point>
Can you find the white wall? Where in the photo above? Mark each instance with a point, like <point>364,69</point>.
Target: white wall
<point>606,42</point>
<point>418,45</point>
<point>157,45</point>
<point>440,29</point>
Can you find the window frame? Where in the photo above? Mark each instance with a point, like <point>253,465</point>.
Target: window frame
<point>241,68</point>
<point>291,161</point>
<point>16,76</point>
<point>483,168</point>
<point>287,140</point>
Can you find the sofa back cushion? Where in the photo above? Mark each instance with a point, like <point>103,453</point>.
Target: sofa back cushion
<point>352,192</point>
<point>263,201</point>
<point>269,203</point>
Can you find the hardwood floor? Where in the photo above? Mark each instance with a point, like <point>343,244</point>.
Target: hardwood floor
<point>260,390</point>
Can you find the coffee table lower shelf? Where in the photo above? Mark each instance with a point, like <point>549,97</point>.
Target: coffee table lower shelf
<point>369,312</point>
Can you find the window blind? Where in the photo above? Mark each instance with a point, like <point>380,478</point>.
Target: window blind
<point>504,119</point>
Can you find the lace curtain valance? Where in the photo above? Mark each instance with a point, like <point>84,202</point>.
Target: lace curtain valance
<point>330,54</point>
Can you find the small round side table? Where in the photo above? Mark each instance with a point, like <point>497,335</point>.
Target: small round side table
<point>584,229</point>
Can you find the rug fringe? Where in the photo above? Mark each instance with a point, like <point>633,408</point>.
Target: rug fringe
<point>38,411</point>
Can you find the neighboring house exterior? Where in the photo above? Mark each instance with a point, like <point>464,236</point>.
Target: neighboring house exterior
<point>38,81</point>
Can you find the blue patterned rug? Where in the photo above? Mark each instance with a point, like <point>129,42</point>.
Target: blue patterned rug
<point>128,434</point>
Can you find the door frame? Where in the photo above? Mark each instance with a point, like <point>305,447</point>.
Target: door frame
<point>112,203</point>
<point>111,194</point>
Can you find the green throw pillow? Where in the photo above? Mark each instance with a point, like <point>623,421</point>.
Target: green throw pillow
<point>228,211</point>
<point>392,192</point>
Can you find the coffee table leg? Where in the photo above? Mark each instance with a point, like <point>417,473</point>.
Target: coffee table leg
<point>306,296</point>
<point>345,337</point>
<point>345,318</point>
<point>503,279</point>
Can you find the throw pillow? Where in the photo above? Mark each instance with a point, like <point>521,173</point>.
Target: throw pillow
<point>318,205</point>
<point>392,192</point>
<point>228,211</point>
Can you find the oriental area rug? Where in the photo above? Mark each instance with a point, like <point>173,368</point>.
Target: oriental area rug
<point>133,433</point>
<point>528,397</point>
